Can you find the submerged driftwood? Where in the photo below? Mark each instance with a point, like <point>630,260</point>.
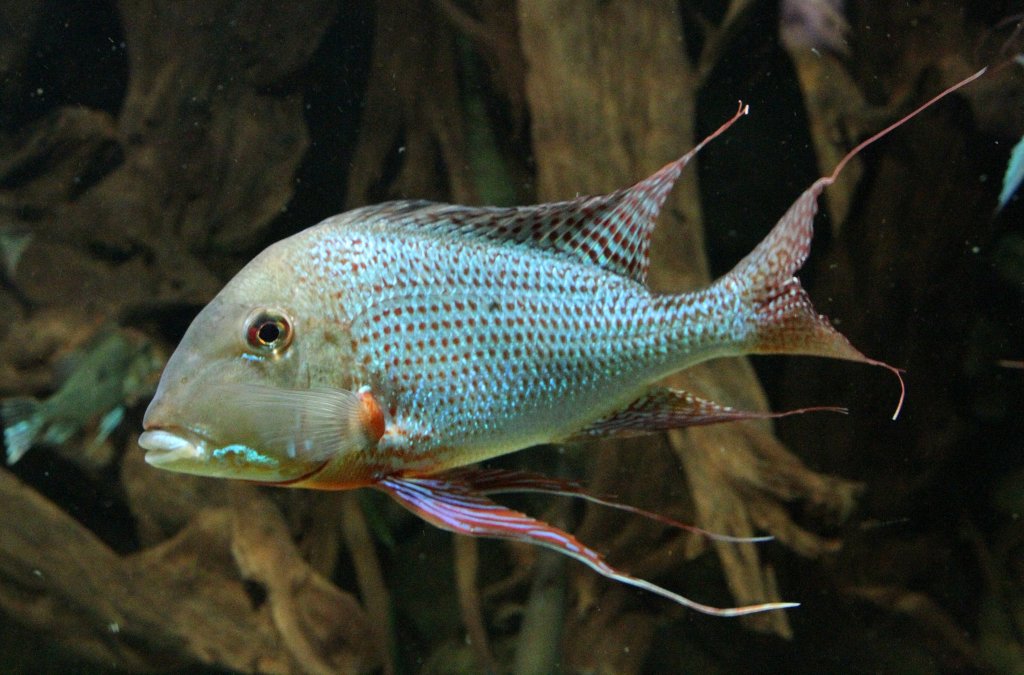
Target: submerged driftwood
<point>139,211</point>
<point>229,588</point>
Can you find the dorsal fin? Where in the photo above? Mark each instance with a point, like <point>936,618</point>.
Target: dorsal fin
<point>611,231</point>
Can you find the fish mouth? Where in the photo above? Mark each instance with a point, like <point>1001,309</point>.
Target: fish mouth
<point>165,448</point>
<point>187,451</point>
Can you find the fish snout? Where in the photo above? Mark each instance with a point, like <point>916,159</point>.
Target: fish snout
<point>167,442</point>
<point>157,414</point>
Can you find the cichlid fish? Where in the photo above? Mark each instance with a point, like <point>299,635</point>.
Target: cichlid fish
<point>13,242</point>
<point>117,368</point>
<point>393,345</point>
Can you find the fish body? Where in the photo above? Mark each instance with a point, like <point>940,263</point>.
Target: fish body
<point>474,347</point>
<point>115,369</point>
<point>460,333</point>
<point>395,344</point>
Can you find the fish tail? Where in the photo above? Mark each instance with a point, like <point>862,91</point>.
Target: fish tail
<point>775,312</point>
<point>760,306</point>
<point>775,315</point>
<point>23,420</point>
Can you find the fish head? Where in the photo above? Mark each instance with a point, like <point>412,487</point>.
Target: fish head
<point>242,396</point>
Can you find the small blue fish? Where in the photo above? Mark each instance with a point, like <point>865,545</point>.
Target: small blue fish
<point>118,368</point>
<point>1013,177</point>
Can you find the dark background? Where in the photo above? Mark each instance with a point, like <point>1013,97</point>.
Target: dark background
<point>152,148</point>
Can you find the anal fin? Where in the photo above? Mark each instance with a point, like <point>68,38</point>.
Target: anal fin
<point>454,505</point>
<point>662,408</point>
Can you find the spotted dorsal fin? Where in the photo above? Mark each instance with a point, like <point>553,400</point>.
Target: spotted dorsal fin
<point>611,231</point>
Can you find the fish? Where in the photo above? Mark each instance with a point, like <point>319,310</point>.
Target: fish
<point>1013,176</point>
<point>115,369</point>
<point>817,25</point>
<point>395,345</point>
<point>13,242</point>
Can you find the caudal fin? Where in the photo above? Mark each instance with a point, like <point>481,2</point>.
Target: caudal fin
<point>22,423</point>
<point>784,320</point>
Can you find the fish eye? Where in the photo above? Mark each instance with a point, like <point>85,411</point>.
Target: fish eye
<point>268,331</point>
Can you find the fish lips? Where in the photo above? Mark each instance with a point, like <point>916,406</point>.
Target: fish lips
<point>184,451</point>
<point>170,450</point>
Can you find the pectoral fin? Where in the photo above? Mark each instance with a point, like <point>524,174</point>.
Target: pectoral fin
<point>454,505</point>
<point>661,409</point>
<point>313,424</point>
